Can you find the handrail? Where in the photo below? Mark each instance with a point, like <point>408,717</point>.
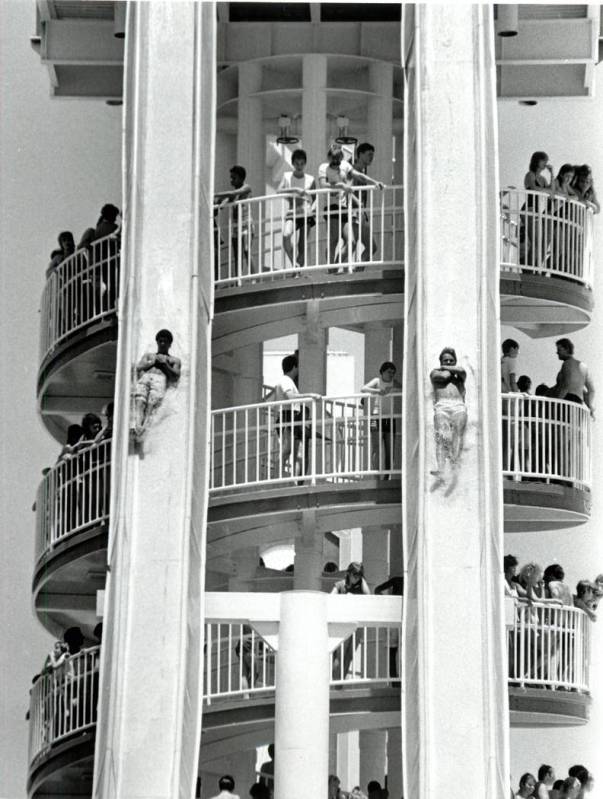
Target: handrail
<point>545,438</point>
<point>73,496</point>
<point>345,438</point>
<point>63,701</point>
<point>546,233</point>
<point>80,291</point>
<point>549,645</point>
<point>281,234</point>
<point>331,438</point>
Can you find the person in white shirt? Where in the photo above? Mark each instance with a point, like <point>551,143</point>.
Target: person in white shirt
<point>297,185</point>
<point>508,366</point>
<point>383,423</point>
<point>292,422</point>
<point>226,785</point>
<point>337,174</point>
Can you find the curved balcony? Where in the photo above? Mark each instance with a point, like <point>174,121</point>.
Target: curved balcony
<point>546,261</point>
<point>62,723</point>
<point>549,648</point>
<point>78,331</point>
<point>72,520</point>
<point>547,460</point>
<point>346,255</point>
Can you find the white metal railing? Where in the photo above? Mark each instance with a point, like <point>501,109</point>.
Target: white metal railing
<point>263,236</point>
<point>546,234</point>
<point>549,646</point>
<point>239,663</point>
<point>337,439</point>
<point>63,701</point>
<point>546,439</point>
<point>73,496</point>
<point>81,290</point>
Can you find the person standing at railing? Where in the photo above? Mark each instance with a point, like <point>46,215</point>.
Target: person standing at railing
<point>584,189</point>
<point>292,421</point>
<point>563,239</point>
<point>240,226</point>
<point>353,583</point>
<point>336,174</point>
<point>100,286</point>
<point>395,587</point>
<point>527,785</point>
<point>248,651</point>
<point>382,423</point>
<point>297,185</point>
<point>366,246</point>
<point>573,380</point>
<point>533,241</point>
<point>546,778</point>
<point>584,598</point>
<point>66,248</point>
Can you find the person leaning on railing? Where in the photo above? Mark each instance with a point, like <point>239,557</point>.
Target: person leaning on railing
<point>240,228</point>
<point>531,232</point>
<point>66,248</point>
<point>297,185</point>
<point>584,189</point>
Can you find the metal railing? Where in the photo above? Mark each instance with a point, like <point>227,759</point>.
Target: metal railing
<point>546,439</point>
<point>335,439</point>
<point>546,234</point>
<point>549,646</point>
<point>81,290</point>
<point>239,663</point>
<point>73,496</point>
<point>281,234</point>
<point>63,701</point>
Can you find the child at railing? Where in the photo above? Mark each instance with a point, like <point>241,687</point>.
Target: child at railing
<point>300,216</point>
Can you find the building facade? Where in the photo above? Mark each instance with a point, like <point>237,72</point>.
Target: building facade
<point>168,532</point>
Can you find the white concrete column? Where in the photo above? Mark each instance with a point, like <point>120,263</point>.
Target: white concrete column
<point>454,697</point>
<point>301,720</point>
<point>394,762</point>
<point>312,343</point>
<point>372,744</point>
<point>375,555</point>
<point>348,759</point>
<point>314,110</point>
<point>380,119</point>
<point>251,142</point>
<point>247,374</point>
<point>377,348</point>
<point>245,563</point>
<point>398,349</point>
<point>149,728</point>
<point>309,555</point>
<point>395,550</point>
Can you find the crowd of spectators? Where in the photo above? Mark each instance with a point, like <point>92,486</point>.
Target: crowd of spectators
<point>576,785</point>
<point>106,225</point>
<point>531,584</point>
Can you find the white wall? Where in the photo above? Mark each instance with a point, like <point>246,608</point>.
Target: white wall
<point>569,131</point>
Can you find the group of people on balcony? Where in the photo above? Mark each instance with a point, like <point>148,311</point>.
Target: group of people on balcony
<point>90,286</point>
<point>293,423</point>
<point>347,222</point>
<point>576,785</point>
<point>526,445</point>
<point>546,238</point>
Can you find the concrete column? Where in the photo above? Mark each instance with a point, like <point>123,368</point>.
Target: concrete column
<point>398,349</point>
<point>309,555</point>
<point>394,762</point>
<point>301,720</point>
<point>149,728</point>
<point>377,348</point>
<point>332,753</point>
<point>247,375</point>
<point>380,118</point>
<point>348,759</point>
<point>372,744</point>
<point>454,694</point>
<point>375,555</point>
<point>245,563</point>
<point>251,142</point>
<point>314,110</point>
<point>395,550</point>
<point>312,342</point>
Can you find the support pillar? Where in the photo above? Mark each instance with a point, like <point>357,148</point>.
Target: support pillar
<point>245,562</point>
<point>372,745</point>
<point>394,762</point>
<point>380,120</point>
<point>251,142</point>
<point>149,727</point>
<point>313,341</point>
<point>377,348</point>
<point>314,108</point>
<point>454,694</point>
<point>309,555</point>
<point>301,720</point>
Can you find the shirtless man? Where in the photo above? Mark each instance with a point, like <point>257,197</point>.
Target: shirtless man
<point>155,370</point>
<point>450,414</point>
<point>573,381</point>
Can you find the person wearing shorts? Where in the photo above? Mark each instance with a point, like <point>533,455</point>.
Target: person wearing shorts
<point>450,413</point>
<point>155,371</point>
<point>382,424</point>
<point>300,215</point>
